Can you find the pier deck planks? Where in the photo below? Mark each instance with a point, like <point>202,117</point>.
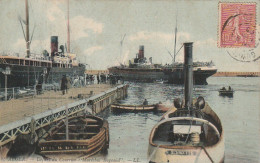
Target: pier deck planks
<point>17,109</point>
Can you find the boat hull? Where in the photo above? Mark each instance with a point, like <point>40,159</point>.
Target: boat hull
<point>176,76</point>
<point>117,108</point>
<point>173,76</point>
<point>22,76</point>
<point>73,148</point>
<point>183,155</point>
<point>164,151</point>
<point>226,93</point>
<point>139,75</point>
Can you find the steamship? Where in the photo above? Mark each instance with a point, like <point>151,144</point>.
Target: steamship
<point>142,70</point>
<point>45,68</point>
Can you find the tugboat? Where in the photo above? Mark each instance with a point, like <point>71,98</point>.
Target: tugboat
<point>189,132</point>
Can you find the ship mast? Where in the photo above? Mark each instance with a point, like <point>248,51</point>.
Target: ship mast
<point>27,39</point>
<point>121,46</point>
<point>175,40</point>
<point>68,28</point>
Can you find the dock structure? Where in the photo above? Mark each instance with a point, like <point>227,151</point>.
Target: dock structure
<point>237,74</point>
<point>22,116</point>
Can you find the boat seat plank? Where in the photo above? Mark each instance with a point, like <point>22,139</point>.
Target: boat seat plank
<point>92,125</point>
<point>91,133</point>
<point>89,120</point>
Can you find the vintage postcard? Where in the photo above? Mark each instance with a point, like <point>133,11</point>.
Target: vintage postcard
<point>113,81</point>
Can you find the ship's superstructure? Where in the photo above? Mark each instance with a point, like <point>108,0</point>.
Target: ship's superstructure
<point>37,69</point>
<point>142,70</point>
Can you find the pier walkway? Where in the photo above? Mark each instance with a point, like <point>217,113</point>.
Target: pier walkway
<point>17,115</point>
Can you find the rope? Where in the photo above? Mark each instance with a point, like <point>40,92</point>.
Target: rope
<point>207,154</point>
<point>153,153</point>
<point>152,119</point>
<point>189,131</point>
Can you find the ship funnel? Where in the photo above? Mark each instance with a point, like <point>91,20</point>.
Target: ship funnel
<point>188,75</point>
<point>141,52</point>
<point>54,45</point>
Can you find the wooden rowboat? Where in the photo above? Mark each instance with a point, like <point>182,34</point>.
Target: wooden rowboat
<point>133,108</point>
<point>87,135</point>
<point>226,92</point>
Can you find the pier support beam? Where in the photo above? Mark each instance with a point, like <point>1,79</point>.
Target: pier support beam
<point>98,104</point>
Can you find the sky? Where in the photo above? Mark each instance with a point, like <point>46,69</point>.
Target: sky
<point>98,26</point>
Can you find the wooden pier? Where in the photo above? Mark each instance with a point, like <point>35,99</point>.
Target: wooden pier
<point>19,116</point>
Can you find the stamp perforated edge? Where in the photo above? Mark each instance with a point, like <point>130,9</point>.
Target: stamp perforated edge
<point>219,23</point>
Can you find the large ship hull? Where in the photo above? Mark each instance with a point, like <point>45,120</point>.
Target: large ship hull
<point>176,76</point>
<point>22,76</point>
<point>138,75</point>
<point>173,76</point>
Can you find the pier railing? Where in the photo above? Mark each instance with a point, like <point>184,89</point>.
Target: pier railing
<point>92,105</point>
<point>17,92</point>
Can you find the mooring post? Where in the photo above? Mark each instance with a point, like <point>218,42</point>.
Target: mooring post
<point>49,100</point>
<point>41,102</point>
<point>13,92</point>
<point>5,87</point>
<point>33,135</point>
<point>67,123</point>
<point>34,87</point>
<point>33,104</point>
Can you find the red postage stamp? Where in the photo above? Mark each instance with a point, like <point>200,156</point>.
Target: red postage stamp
<point>237,25</point>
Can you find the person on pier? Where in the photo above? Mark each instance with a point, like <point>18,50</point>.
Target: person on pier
<point>145,102</point>
<point>98,80</point>
<point>64,84</point>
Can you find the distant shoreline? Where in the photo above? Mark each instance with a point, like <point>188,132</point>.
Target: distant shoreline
<point>237,74</point>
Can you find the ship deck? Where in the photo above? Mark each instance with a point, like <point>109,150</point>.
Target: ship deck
<point>17,109</point>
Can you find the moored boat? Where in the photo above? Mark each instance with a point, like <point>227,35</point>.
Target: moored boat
<point>121,108</point>
<point>141,69</point>
<point>189,132</point>
<point>37,69</point>
<point>84,137</point>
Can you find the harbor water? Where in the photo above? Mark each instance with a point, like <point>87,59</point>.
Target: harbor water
<point>129,132</point>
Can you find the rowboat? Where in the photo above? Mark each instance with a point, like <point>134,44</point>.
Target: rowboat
<point>226,92</point>
<point>189,132</point>
<point>84,137</point>
<point>121,108</point>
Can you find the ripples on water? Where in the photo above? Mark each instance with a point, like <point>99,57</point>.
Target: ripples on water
<point>129,132</point>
